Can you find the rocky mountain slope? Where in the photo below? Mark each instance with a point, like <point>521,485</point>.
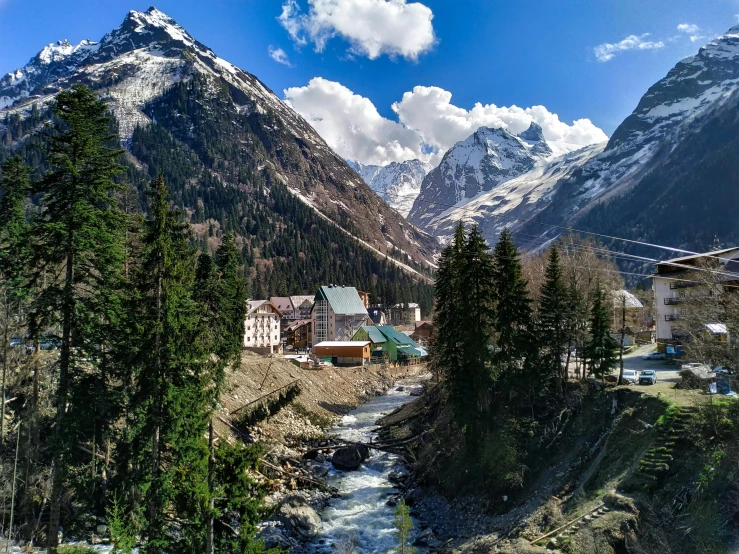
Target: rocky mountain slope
<point>398,184</point>
<point>476,165</point>
<point>234,135</point>
<point>654,162</point>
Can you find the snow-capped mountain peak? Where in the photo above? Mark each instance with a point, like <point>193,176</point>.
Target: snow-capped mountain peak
<point>481,162</point>
<point>670,114</point>
<point>397,183</point>
<point>534,135</point>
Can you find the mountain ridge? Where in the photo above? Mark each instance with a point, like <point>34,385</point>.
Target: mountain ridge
<point>481,162</point>
<point>538,204</point>
<point>135,65</point>
<point>235,158</point>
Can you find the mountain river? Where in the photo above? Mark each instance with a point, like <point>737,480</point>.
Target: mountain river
<point>360,520</point>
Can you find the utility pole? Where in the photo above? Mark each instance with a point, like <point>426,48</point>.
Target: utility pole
<point>12,496</point>
<point>211,501</point>
<point>623,333</point>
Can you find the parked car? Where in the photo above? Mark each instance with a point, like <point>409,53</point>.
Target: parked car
<point>630,376</point>
<point>654,356</point>
<point>50,342</point>
<point>723,369</point>
<point>648,377</point>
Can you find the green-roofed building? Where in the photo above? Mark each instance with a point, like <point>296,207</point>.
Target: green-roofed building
<point>398,346</point>
<point>338,312</point>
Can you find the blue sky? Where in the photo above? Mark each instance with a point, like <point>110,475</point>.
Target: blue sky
<point>501,52</point>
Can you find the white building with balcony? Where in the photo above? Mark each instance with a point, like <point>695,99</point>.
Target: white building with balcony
<point>680,280</point>
<point>262,327</point>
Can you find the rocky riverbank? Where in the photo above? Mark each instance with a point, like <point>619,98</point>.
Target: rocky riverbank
<point>296,465</point>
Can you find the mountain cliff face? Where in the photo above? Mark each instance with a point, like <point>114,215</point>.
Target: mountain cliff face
<point>477,164</point>
<point>652,164</point>
<point>165,87</point>
<point>397,183</point>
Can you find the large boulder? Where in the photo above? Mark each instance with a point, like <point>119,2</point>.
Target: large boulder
<point>274,536</point>
<point>298,517</point>
<point>349,458</point>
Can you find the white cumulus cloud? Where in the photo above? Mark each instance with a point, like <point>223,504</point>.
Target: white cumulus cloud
<point>372,27</point>
<point>690,29</point>
<point>428,123</point>
<point>279,55</point>
<point>351,124</point>
<point>606,51</point>
<point>429,110</point>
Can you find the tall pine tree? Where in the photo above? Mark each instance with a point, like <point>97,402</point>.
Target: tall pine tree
<point>600,350</point>
<point>447,319</point>
<point>512,315</point>
<point>553,320</point>
<point>78,242</point>
<point>165,454</point>
<point>477,302</point>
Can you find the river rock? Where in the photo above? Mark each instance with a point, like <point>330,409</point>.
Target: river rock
<point>298,517</point>
<point>274,537</point>
<point>398,477</point>
<point>102,530</point>
<point>349,458</point>
<point>364,451</point>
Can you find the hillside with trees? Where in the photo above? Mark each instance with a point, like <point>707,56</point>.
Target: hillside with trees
<point>118,427</point>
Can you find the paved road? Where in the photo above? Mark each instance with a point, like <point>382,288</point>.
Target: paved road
<point>665,372</point>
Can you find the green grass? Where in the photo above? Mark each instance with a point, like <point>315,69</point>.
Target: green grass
<point>76,549</point>
<point>669,414</point>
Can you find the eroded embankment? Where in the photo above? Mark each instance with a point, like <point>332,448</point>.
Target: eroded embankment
<point>297,446</point>
<point>613,471</point>
<point>324,395</point>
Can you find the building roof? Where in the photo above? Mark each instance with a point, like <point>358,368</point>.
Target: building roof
<point>297,324</point>
<point>408,305</point>
<point>422,323</point>
<point>343,300</point>
<point>299,299</point>
<point>282,303</point>
<point>407,349</point>
<point>724,256</point>
<point>396,336</point>
<point>254,304</point>
<point>716,328</point>
<point>330,343</point>
<point>374,334</point>
<point>631,300</point>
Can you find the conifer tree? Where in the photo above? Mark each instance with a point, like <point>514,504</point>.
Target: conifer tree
<point>446,358</point>
<point>165,452</point>
<point>14,254</point>
<point>554,314</point>
<point>78,242</point>
<point>600,350</point>
<point>512,314</point>
<point>477,303</point>
<point>403,525</point>
<point>233,293</point>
